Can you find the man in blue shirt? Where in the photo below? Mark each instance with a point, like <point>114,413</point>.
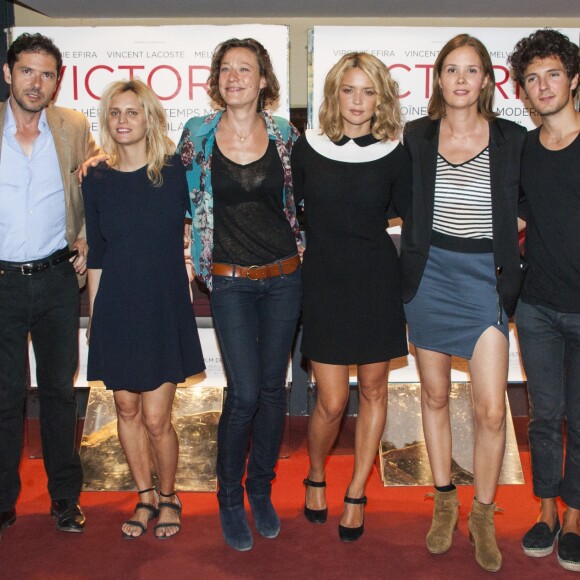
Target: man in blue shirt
<point>42,252</point>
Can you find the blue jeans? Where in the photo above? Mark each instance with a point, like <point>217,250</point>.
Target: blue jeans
<point>550,346</point>
<point>46,305</point>
<point>255,322</point>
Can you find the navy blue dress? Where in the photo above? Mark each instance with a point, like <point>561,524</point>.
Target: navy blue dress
<point>143,329</point>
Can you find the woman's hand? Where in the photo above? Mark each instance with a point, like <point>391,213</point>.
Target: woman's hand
<point>190,271</point>
<point>80,260</point>
<point>301,249</point>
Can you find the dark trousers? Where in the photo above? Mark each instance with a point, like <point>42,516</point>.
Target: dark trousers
<point>550,345</point>
<point>46,305</point>
<point>255,323</point>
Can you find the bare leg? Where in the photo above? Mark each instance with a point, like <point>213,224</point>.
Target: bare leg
<point>331,399</point>
<point>157,407</point>
<point>370,424</point>
<point>488,368</point>
<point>548,511</point>
<point>435,369</point>
<point>135,444</point>
<point>571,521</point>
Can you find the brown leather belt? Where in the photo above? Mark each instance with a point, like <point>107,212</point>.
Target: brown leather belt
<point>287,266</point>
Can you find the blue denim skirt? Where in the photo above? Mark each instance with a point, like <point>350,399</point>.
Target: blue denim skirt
<point>455,303</point>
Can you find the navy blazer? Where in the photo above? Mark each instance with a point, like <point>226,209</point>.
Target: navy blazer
<point>505,151</point>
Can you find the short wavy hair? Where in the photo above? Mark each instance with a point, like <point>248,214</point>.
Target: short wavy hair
<point>33,43</point>
<point>387,122</point>
<point>437,106</point>
<point>268,95</point>
<point>159,146</point>
<point>544,43</point>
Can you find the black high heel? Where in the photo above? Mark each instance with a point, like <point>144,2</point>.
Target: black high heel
<point>315,516</point>
<point>352,534</point>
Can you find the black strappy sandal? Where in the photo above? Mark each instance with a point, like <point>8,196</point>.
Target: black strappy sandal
<point>315,516</point>
<point>153,513</point>
<point>174,506</point>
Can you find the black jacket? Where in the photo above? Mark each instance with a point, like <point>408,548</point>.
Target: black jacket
<point>505,150</point>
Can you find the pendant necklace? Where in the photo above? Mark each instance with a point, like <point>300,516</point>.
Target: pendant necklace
<point>242,139</point>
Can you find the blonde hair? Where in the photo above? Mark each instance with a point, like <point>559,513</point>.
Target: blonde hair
<point>437,105</point>
<point>386,123</point>
<point>159,145</point>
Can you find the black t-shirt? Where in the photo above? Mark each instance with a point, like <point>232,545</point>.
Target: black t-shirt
<point>250,226</point>
<point>551,182</point>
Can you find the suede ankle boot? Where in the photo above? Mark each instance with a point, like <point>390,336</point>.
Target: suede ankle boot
<point>235,528</point>
<point>265,516</point>
<point>445,514</point>
<point>482,536</point>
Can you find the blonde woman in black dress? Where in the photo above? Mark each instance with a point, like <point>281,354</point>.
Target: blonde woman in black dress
<point>350,174</point>
<point>143,336</point>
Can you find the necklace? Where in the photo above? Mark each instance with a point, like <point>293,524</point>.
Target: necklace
<point>242,139</point>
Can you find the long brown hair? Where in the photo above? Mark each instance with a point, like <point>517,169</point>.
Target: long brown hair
<point>437,105</point>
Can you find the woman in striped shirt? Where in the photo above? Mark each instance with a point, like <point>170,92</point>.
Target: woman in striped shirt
<point>461,275</point>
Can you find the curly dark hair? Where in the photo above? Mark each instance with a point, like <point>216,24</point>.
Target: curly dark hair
<point>268,95</point>
<point>544,43</point>
<point>33,43</point>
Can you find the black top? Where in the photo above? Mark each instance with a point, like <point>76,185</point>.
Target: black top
<point>551,181</point>
<point>250,226</point>
<point>143,330</point>
<point>505,150</point>
<point>352,309</point>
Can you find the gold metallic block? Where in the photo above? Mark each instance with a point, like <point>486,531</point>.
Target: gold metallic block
<point>196,412</point>
<point>402,450</point>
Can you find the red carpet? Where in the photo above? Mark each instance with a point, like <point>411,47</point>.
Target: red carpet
<point>397,520</point>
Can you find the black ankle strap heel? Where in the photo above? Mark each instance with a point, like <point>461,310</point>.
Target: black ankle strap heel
<point>352,534</point>
<point>315,516</point>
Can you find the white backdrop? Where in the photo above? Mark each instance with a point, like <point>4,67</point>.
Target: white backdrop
<point>173,60</point>
<point>410,53</point>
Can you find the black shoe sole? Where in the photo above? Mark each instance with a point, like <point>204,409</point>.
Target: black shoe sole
<point>7,524</point>
<point>69,529</point>
<point>350,534</point>
<point>316,516</point>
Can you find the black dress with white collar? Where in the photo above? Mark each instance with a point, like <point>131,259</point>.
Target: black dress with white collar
<point>352,309</point>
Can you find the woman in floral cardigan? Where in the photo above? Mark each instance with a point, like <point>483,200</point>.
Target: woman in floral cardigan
<point>245,247</point>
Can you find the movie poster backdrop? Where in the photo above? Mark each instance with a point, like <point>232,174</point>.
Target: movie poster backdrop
<point>173,60</point>
<point>410,53</point>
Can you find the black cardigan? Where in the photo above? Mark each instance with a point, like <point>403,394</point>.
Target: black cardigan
<point>505,150</point>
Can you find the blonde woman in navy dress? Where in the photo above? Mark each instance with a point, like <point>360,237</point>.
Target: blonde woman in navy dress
<point>461,275</point>
<point>143,336</point>
<point>350,174</point>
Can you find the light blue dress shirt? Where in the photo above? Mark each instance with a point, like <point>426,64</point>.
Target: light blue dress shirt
<point>32,205</point>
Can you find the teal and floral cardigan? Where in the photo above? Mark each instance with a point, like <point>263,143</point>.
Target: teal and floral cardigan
<point>195,148</point>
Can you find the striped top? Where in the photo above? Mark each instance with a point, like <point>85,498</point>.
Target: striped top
<point>463,198</point>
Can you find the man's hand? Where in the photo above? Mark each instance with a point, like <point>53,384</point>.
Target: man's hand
<point>80,260</point>
<point>91,162</point>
